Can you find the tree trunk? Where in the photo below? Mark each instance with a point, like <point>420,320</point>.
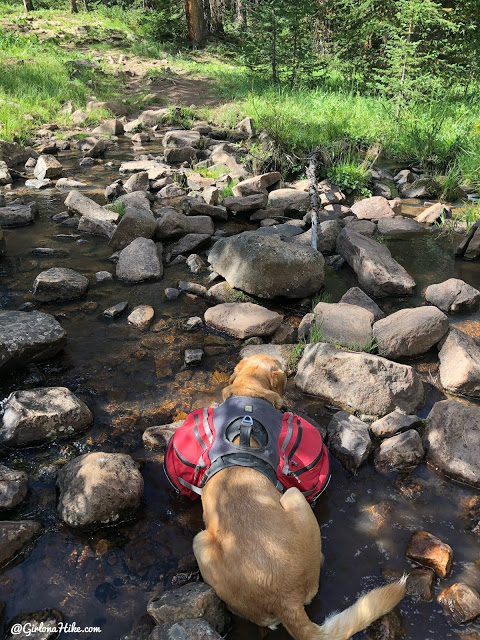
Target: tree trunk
<point>241,14</point>
<point>216,11</point>
<point>196,25</point>
<point>274,48</point>
<point>28,4</point>
<point>87,8</point>
<point>73,6</point>
<point>313,192</point>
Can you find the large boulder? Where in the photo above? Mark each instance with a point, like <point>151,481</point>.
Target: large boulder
<point>453,296</point>
<point>257,184</point>
<point>358,381</point>
<point>345,324</point>
<point>410,332</point>
<point>28,337</point>
<point>453,440</point>
<point>242,319</point>
<point>12,153</point>
<point>180,138</point>
<point>171,224</point>
<point>398,226</point>
<point>246,204</point>
<point>59,284</point>
<point>47,167</point>
<point>39,415</point>
<point>459,357</point>
<point>378,273</point>
<point>140,261</point>
<point>14,536</point>
<point>18,215</point>
<point>289,199</point>
<point>83,206</point>
<point>373,208</point>
<point>349,440</point>
<point>355,296</point>
<point>135,223</point>
<point>99,489</point>
<point>268,266</point>
<point>13,487</point>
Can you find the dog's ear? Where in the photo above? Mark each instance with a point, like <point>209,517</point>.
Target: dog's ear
<point>237,370</point>
<point>278,381</point>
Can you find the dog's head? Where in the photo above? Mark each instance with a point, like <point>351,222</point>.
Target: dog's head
<point>259,376</point>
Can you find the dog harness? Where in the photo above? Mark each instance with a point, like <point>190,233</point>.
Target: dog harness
<point>290,451</point>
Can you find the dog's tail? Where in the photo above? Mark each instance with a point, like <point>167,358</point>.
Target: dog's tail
<point>344,625</point>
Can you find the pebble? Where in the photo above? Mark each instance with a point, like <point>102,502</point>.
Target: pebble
<point>193,323</point>
<point>102,276</point>
<point>193,356</point>
<point>116,310</point>
<point>171,293</point>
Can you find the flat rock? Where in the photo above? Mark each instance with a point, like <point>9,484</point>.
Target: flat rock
<point>256,184</point>
<point>267,266</point>
<point>171,224</point>
<point>378,273</point>
<point>393,423</point>
<point>116,310</point>
<point>13,487</point>
<point>372,208</point>
<point>83,206</point>
<point>460,602</point>
<point>181,138</point>
<point>245,204</point>
<point>398,226</point>
<point>18,215</point>
<point>69,183</point>
<point>402,452</point>
<point>410,332</point>
<point>190,242</point>
<point>242,319</point>
<point>344,324</point>
<point>28,337</point>
<point>355,296</point>
<point>179,155</point>
<point>453,448</point>
<point>96,226</point>
<point>433,213</point>
<point>363,227</point>
<point>427,550</point>
<point>99,489</point>
<point>453,296</point>
<point>39,184</point>
<point>459,357</point>
<point>156,166</point>
<point>360,381</point>
<point>39,415</point>
<point>59,284</point>
<point>349,440</point>
<point>140,261</point>
<point>135,223</point>
<point>47,167</point>
<point>203,209</point>
<point>14,536</point>
<point>141,317</point>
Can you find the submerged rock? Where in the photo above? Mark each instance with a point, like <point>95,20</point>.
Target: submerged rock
<point>14,536</point>
<point>141,317</point>
<point>349,440</point>
<point>460,602</point>
<point>38,415</point>
<point>116,310</point>
<point>99,488</point>
<point>13,487</point>
<point>243,319</point>
<point>429,551</point>
<point>59,284</point>
<point>420,582</point>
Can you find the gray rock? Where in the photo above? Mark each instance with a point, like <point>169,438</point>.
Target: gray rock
<point>109,127</point>
<point>453,296</point>
<point>247,125</point>
<point>459,357</point>
<point>98,489</point>
<point>284,231</point>
<point>193,356</point>
<point>141,629</point>
<point>157,437</point>
<point>137,182</point>
<point>103,276</point>
<point>39,415</point>
<point>47,167</point>
<point>349,440</point>
<point>189,243</point>
<point>39,184</point>
<point>382,189</point>
<point>192,601</point>
<point>59,284</point>
<point>135,200</point>
<point>28,337</point>
<point>245,204</point>
<point>345,324</point>
<point>410,332</point>
<point>358,381</point>
<point>195,263</point>
<point>403,176</point>
<point>242,319</point>
<point>372,208</point>
<point>394,423</point>
<point>326,236</point>
<point>398,226</point>
<point>85,207</point>
<point>67,183</point>
<point>152,117</point>
<point>267,266</point>
<point>378,273</point>
<point>135,223</point>
<point>172,224</point>
<point>202,209</point>
<point>180,139</point>
<point>256,184</point>
<point>177,156</point>
<point>18,215</point>
<point>116,310</point>
<point>13,487</point>
<point>192,287</point>
<point>171,293</point>
<point>185,629</point>
<point>156,166</point>
<point>12,153</point>
<point>355,296</point>
<point>140,261</point>
<point>289,199</point>
<point>364,227</point>
<point>96,149</point>
<point>14,536</point>
<point>400,453</point>
<point>96,227</point>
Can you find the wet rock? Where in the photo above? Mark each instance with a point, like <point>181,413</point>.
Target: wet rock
<point>453,440</point>
<point>38,415</point>
<point>96,227</point>
<point>86,163</point>
<point>96,148</point>
<point>355,296</point>
<point>193,356</point>
<point>459,357</point>
<point>18,215</point>
<point>242,319</point>
<point>135,223</point>
<point>349,440</point>
<point>427,550</point>
<point>267,266</point>
<point>115,311</point>
<point>360,381</point>
<point>460,602</point>
<point>98,488</point>
<point>410,332</point>
<point>393,423</point>
<point>189,243</point>
<point>141,629</point>
<point>345,324</point>
<point>137,182</point>
<point>172,224</point>
<point>192,629</point>
<point>171,293</point>
<point>195,263</point>
<point>39,184</point>
<point>28,337</point>
<point>398,226</point>
<point>110,127</point>
<point>469,249</point>
<point>191,601</point>
<point>140,261</point>
<point>177,156</point>
<point>3,248</point>
<point>46,619</point>
<point>13,487</point>
<point>180,139</point>
<point>434,213</point>
<point>12,153</point>
<point>192,287</point>
<point>47,167</point>
<point>59,284</point>
<point>372,208</point>
<point>68,183</point>
<point>202,209</point>
<point>289,199</point>
<point>141,317</point>
<point>192,323</point>
<point>245,204</point>
<point>402,452</point>
<point>14,536</point>
<point>85,207</point>
<point>103,276</point>
<point>420,582</point>
<point>453,296</point>
<point>388,627</point>
<point>158,437</point>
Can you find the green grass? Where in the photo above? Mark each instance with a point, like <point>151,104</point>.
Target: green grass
<point>117,207</point>
<point>470,213</point>
<point>227,190</point>
<point>214,173</point>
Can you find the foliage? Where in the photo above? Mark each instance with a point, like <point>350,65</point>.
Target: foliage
<point>214,173</point>
<point>117,207</point>
<point>471,213</point>
<point>227,190</point>
<point>166,22</point>
<point>350,175</point>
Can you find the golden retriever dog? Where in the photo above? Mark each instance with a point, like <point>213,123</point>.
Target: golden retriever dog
<point>261,550</point>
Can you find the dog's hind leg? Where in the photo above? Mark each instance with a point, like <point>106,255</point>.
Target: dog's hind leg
<point>206,553</point>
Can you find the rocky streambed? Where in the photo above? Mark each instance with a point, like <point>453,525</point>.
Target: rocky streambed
<point>90,527</point>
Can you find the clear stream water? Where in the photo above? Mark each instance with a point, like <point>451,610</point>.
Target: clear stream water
<point>132,380</point>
